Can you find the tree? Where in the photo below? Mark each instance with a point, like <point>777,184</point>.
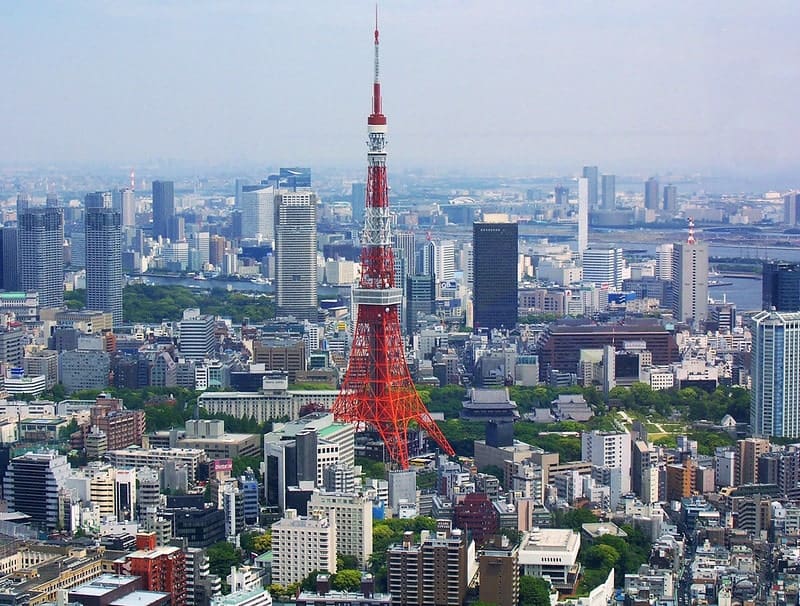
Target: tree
<point>346,562</point>
<point>534,591</point>
<point>574,518</point>
<point>263,542</point>
<point>221,557</point>
<point>310,582</point>
<point>603,557</point>
<point>347,580</point>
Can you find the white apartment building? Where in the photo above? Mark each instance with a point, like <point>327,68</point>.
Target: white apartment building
<point>611,450</point>
<point>353,514</point>
<point>155,458</point>
<point>301,545</point>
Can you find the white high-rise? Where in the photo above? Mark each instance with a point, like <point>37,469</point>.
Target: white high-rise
<point>444,260</point>
<point>664,262</point>
<point>296,254</point>
<point>353,521</point>
<point>611,450</point>
<point>690,282</point>
<point>775,397</point>
<point>583,215</point>
<point>196,341</point>
<point>301,545</point>
<point>604,267</point>
<point>257,203</point>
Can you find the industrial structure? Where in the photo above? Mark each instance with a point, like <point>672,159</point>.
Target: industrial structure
<point>378,390</point>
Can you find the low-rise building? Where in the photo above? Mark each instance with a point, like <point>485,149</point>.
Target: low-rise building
<point>551,553</point>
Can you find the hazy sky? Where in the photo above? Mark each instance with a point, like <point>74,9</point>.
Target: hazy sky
<point>535,86</point>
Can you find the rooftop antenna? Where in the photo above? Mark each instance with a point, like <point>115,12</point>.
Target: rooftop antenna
<point>691,238</point>
<point>133,179</point>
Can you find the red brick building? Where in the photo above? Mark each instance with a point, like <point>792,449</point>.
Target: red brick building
<point>162,568</point>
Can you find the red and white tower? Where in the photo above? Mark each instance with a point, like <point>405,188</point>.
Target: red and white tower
<point>377,388</point>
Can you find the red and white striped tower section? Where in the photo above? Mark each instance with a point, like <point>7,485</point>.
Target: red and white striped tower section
<point>377,389</point>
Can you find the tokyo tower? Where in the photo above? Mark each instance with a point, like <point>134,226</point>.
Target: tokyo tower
<point>377,388</point>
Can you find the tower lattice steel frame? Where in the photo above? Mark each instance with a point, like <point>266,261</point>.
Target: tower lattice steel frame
<point>378,390</point>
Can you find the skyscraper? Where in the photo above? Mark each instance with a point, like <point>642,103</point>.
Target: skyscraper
<point>603,266</point>
<point>103,256</point>
<point>358,194</point>
<point>124,203</point>
<point>590,173</point>
<point>10,258</point>
<point>690,282</point>
<point>791,208</point>
<point>609,187</point>
<point>561,195</point>
<point>32,484</point>
<point>196,340</point>
<point>670,198</point>
<point>583,215</point>
<point>296,254</point>
<point>780,286</point>
<point>775,372</point>
<point>420,296</point>
<point>404,246</point>
<point>40,235</point>
<point>444,260</point>
<point>664,261</point>
<point>495,247</point>
<point>163,208</point>
<point>258,212</point>
<point>651,189</point>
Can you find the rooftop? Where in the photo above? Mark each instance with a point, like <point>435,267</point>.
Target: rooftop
<point>140,598</point>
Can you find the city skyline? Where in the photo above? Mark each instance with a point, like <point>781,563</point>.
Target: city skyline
<point>197,85</point>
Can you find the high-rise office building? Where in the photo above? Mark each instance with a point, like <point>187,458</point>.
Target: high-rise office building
<point>258,212</point>
<point>791,208</point>
<point>664,262</point>
<point>561,195</point>
<point>603,266</point>
<point>609,190</point>
<point>32,483</point>
<point>651,190</point>
<point>420,297</point>
<point>775,373</point>
<point>590,173</point>
<point>690,282</point>
<point>163,208</point>
<point>358,196</point>
<point>196,335</point>
<point>296,254</point>
<point>40,241</point>
<point>583,215</point>
<point>103,256</point>
<point>403,245</point>
<point>124,202</point>
<point>10,258</point>
<point>291,178</point>
<point>444,260</point>
<point>495,247</point>
<point>780,286</point>
<point>670,198</point>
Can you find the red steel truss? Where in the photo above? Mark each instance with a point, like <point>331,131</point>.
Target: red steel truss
<point>377,388</point>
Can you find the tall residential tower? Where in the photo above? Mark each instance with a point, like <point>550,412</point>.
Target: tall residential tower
<point>40,241</point>
<point>103,256</point>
